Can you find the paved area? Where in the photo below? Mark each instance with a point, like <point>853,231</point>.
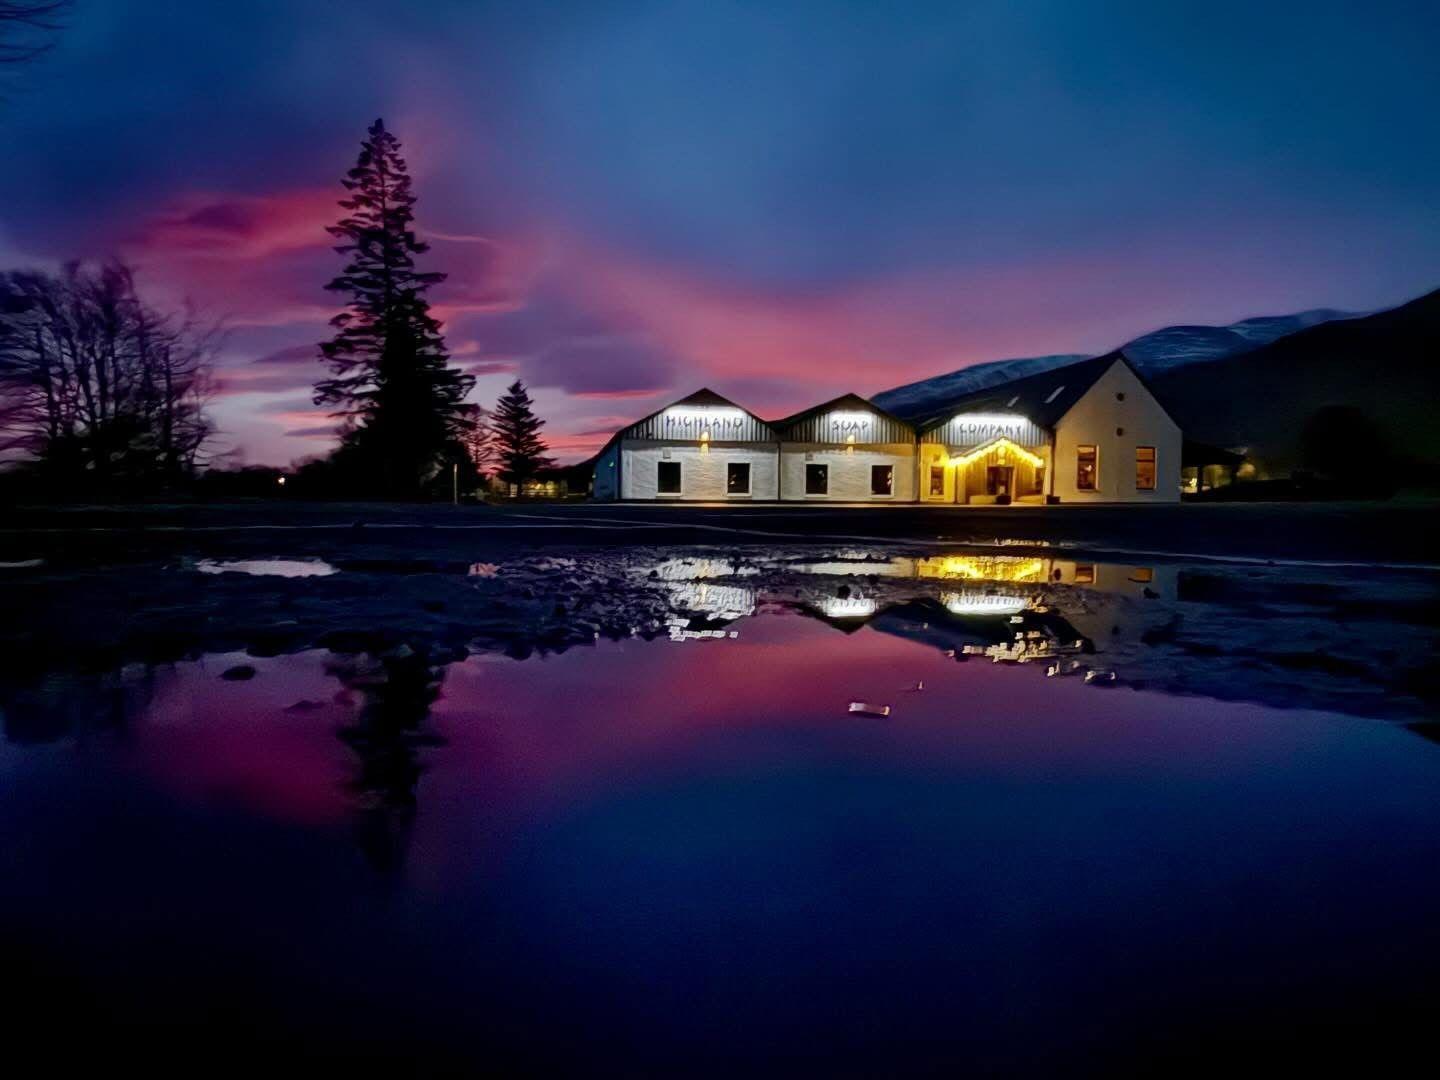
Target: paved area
<point>1390,532</point>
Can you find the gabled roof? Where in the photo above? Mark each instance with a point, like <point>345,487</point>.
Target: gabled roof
<point>757,431</point>
<point>799,426</point>
<point>1042,398</point>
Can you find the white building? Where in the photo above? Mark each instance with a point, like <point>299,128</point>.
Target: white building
<point>1086,432</point>
<point>1089,432</point>
<point>702,448</point>
<point>846,450</point>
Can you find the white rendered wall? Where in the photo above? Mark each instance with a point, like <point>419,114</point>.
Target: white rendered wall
<point>849,473</point>
<point>702,471</point>
<point>1094,420</point>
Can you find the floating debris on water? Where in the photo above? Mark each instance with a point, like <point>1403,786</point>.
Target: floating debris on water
<point>864,708</point>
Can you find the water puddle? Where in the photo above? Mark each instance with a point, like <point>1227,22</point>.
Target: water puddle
<point>290,568</point>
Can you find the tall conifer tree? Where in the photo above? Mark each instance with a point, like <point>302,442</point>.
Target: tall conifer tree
<point>516,435</point>
<point>391,381</point>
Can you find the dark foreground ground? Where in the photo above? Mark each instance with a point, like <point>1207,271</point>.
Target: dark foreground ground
<point>1279,603</point>
<point>414,791</point>
<point>1378,532</point>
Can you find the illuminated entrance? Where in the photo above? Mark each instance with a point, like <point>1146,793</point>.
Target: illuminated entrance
<point>1000,470</point>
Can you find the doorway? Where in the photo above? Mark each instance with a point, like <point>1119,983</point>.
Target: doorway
<point>1000,480</point>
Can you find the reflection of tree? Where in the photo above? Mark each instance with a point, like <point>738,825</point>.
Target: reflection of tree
<point>396,691</point>
<point>64,705</point>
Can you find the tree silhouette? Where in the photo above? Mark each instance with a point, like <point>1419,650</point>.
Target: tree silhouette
<point>27,28</point>
<point>516,435</point>
<point>391,382</point>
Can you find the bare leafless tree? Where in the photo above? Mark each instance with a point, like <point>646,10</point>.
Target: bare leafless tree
<point>28,28</point>
<point>97,386</point>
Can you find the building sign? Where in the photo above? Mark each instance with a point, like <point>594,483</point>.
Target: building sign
<point>722,424</point>
<point>850,423</point>
<point>975,429</point>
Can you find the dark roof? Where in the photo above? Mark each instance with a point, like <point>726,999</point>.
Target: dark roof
<point>892,430</point>
<point>844,401</point>
<point>703,396</point>
<point>759,430</point>
<point>1042,398</point>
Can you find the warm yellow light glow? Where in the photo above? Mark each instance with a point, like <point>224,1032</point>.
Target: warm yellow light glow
<point>1000,445</point>
<point>982,568</point>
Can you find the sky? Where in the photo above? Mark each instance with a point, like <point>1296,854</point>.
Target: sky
<point>781,201</point>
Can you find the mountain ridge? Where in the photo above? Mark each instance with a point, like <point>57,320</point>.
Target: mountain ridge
<point>1157,352</point>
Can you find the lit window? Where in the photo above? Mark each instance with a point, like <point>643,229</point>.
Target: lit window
<point>1142,574</point>
<point>737,478</point>
<point>1086,468</point>
<point>1084,574</point>
<point>1144,468</point>
<point>817,479</point>
<point>937,480</point>
<point>667,477</point>
<point>882,479</point>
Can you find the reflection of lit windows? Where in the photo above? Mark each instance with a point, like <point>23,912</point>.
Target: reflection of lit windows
<point>1142,574</point>
<point>967,602</point>
<point>1086,468</point>
<point>817,479</point>
<point>849,607</point>
<point>1084,574</point>
<point>667,477</point>
<point>882,479</point>
<point>737,478</point>
<point>982,567</point>
<point>937,480</point>
<point>1144,468</point>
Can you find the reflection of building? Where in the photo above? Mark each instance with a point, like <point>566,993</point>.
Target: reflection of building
<point>1086,432</point>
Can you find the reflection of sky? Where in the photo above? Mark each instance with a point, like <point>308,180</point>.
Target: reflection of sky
<point>637,815</point>
<point>785,202</point>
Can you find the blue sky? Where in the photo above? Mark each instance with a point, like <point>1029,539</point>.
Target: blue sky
<point>783,201</point>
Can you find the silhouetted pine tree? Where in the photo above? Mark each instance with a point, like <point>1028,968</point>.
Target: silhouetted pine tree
<point>515,432</point>
<point>401,401</point>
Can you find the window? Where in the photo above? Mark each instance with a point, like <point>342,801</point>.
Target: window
<point>1084,574</point>
<point>1086,471</point>
<point>667,477</point>
<point>882,479</point>
<point>817,479</point>
<point>737,478</point>
<point>1142,574</point>
<point>1144,468</point>
<point>937,479</point>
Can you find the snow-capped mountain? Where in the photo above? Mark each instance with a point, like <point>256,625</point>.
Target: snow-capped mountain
<point>1159,351</point>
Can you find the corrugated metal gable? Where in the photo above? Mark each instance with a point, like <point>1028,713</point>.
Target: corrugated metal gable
<point>836,421</point>
<point>966,430</point>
